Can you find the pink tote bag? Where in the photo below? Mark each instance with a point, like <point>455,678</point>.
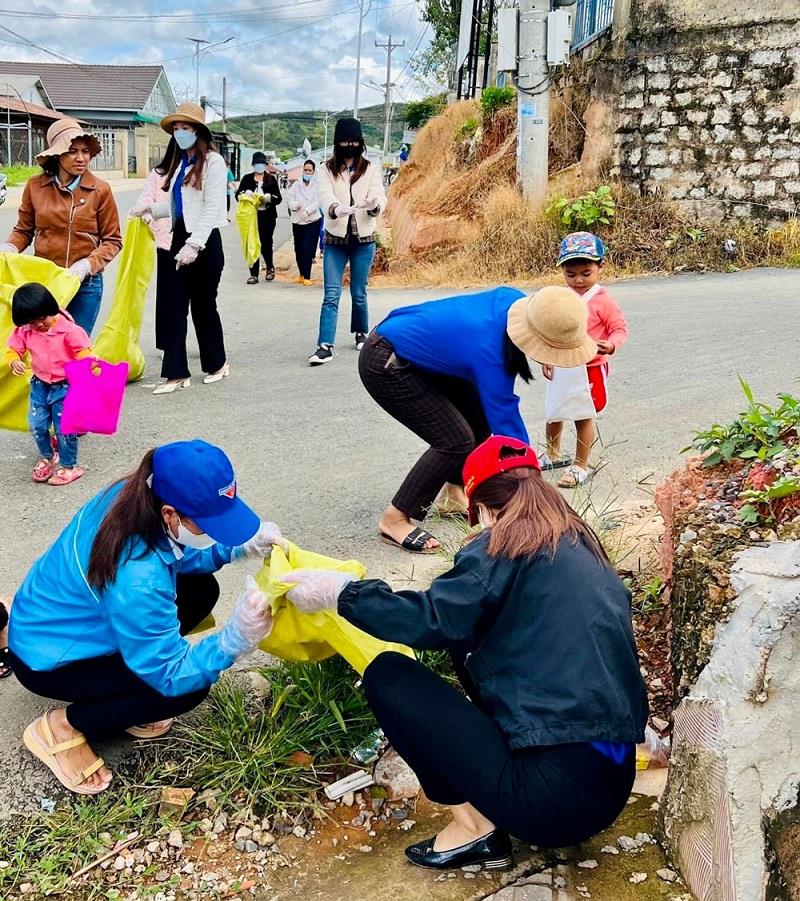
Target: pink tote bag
<point>94,399</point>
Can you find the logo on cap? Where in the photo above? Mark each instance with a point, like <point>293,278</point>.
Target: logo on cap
<point>228,491</point>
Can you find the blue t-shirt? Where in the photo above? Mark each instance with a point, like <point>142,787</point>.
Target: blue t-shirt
<point>463,336</point>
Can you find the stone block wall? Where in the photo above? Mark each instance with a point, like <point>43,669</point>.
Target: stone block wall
<point>705,112</point>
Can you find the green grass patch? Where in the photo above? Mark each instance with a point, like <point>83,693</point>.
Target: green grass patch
<point>18,175</point>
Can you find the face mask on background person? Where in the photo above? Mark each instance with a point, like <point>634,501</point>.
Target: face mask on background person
<point>307,178</point>
<point>189,539</point>
<point>185,139</point>
<point>260,168</point>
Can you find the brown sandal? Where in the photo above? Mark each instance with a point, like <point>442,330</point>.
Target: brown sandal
<point>40,741</point>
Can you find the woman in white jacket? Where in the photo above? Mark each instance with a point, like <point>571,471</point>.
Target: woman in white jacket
<point>351,196</point>
<point>303,202</point>
<point>196,183</point>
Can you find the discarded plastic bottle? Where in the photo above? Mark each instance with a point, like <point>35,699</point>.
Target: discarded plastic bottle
<point>369,749</point>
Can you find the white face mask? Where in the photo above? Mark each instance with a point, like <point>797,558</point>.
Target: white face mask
<point>185,139</point>
<point>189,539</point>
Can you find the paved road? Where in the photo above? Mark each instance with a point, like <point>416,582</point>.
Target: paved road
<point>315,454</point>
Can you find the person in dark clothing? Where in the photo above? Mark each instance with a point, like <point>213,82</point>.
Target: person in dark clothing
<point>538,625</point>
<point>5,657</point>
<point>446,370</point>
<point>265,187</point>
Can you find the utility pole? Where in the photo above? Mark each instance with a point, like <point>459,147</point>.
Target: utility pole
<point>533,104</point>
<point>388,47</point>
<point>197,42</point>
<point>358,56</point>
<point>224,100</point>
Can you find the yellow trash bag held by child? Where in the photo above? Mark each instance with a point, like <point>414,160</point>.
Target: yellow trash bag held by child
<point>307,637</point>
<point>118,340</point>
<point>247,220</point>
<point>18,269</point>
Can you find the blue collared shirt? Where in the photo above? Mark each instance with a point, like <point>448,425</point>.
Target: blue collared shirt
<point>59,618</point>
<point>177,196</point>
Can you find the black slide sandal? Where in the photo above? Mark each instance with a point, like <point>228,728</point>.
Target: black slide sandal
<point>414,542</point>
<point>5,663</point>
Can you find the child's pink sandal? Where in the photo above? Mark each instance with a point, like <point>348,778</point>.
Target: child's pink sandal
<point>42,470</point>
<point>63,476</point>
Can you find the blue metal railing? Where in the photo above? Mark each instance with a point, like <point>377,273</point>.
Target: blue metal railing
<point>592,18</point>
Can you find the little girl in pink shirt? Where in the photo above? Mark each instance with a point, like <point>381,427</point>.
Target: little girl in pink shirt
<point>579,394</point>
<point>51,338</point>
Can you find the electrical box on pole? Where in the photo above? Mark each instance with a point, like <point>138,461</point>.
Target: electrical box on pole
<point>507,39</point>
<point>559,37</point>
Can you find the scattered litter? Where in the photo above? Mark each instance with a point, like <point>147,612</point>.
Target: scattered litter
<point>609,849</point>
<point>174,801</point>
<point>352,783</point>
<point>587,864</point>
<point>636,878</point>
<point>405,825</point>
<point>367,752</point>
<point>365,848</point>
<point>47,804</point>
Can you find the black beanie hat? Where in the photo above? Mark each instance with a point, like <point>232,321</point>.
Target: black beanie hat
<point>259,157</point>
<point>347,130</point>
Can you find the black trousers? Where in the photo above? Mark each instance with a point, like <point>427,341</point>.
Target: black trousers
<point>266,229</point>
<point>106,698</point>
<point>3,616</point>
<point>548,796</point>
<point>194,287</point>
<point>445,412</point>
<point>305,246</point>
<point>165,292</point>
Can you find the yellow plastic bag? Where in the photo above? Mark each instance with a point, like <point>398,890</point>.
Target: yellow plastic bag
<point>310,637</point>
<point>15,270</point>
<point>247,220</point>
<point>118,340</point>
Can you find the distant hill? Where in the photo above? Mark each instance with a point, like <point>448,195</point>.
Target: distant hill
<point>285,132</point>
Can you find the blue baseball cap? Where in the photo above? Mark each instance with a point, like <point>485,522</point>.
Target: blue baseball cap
<point>581,246</point>
<point>197,479</point>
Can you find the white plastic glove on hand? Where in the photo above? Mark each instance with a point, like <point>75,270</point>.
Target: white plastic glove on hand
<point>250,622</point>
<point>81,268</point>
<point>340,211</point>
<point>260,545</point>
<point>247,193</point>
<point>316,589</point>
<point>8,248</point>
<point>186,255</point>
<point>140,210</point>
<point>368,203</point>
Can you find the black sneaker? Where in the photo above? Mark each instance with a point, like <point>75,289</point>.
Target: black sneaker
<point>323,354</point>
<point>360,339</point>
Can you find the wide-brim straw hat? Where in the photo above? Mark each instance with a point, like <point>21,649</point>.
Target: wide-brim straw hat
<point>60,136</point>
<point>186,112</point>
<point>550,327</point>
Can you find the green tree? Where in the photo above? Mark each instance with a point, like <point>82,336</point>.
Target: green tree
<point>419,111</point>
<point>443,16</point>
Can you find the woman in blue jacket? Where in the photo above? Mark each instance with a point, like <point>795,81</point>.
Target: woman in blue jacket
<point>446,370</point>
<point>100,618</point>
<point>538,626</point>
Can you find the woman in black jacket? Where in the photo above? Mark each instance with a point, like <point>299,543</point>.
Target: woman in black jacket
<point>265,187</point>
<point>538,625</point>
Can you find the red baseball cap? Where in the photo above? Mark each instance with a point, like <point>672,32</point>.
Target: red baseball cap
<point>497,454</point>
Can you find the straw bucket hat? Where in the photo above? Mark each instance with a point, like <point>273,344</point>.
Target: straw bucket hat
<point>550,327</point>
<point>60,136</point>
<point>186,112</point>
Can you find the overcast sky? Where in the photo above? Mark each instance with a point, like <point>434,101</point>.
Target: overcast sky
<point>297,54</point>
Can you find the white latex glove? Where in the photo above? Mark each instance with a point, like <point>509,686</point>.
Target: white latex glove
<point>368,203</point>
<point>81,268</point>
<point>8,248</point>
<point>265,198</point>
<point>311,210</point>
<point>250,622</point>
<point>260,545</point>
<point>316,589</point>
<point>247,193</point>
<point>186,255</point>
<point>140,210</point>
<point>341,211</point>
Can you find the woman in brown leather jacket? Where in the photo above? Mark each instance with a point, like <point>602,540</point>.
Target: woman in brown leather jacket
<point>70,216</point>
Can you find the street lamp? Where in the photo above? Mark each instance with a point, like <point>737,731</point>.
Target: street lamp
<point>197,51</point>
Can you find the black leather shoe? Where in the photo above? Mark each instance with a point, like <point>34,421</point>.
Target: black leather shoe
<point>493,852</point>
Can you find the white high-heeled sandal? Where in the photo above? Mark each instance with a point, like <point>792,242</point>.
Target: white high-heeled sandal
<point>170,386</point>
<point>217,376</point>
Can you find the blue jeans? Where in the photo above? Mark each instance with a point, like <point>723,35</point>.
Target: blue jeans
<point>85,305</point>
<point>334,260</point>
<point>46,407</point>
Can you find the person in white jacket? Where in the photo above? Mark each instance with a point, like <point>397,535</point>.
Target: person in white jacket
<point>303,202</point>
<point>351,196</point>
<point>196,183</point>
